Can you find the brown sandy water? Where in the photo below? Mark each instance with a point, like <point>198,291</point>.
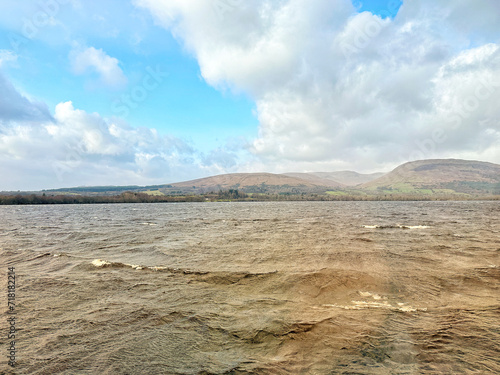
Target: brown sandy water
<point>254,288</point>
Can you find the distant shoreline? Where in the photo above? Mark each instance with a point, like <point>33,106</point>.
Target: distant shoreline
<point>130,197</point>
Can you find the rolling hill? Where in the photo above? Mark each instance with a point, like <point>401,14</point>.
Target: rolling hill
<point>257,183</point>
<point>440,176</point>
<point>349,178</point>
<point>337,179</point>
<point>425,177</point>
<point>313,178</point>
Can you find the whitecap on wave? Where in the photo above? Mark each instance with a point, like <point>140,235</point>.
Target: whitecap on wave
<point>396,226</point>
<point>99,263</point>
<point>377,301</point>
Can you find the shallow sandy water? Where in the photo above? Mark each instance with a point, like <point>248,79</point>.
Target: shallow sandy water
<point>265,288</point>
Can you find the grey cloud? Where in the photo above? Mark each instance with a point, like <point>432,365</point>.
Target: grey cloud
<point>220,158</point>
<point>16,107</point>
<point>334,87</point>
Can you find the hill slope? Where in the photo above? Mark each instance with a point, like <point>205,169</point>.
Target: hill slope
<point>441,176</point>
<point>337,179</point>
<point>314,179</point>
<point>349,178</point>
<point>255,183</point>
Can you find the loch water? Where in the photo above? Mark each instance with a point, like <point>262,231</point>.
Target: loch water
<point>254,288</point>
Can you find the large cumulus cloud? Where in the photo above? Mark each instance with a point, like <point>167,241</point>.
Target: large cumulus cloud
<point>339,89</point>
<point>72,147</point>
<point>79,148</point>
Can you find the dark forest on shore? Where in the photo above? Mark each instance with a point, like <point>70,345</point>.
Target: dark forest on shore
<point>221,196</point>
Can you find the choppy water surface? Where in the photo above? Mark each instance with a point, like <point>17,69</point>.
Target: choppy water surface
<point>255,288</point>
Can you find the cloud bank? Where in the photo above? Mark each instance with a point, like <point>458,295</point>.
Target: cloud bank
<point>333,89</point>
<point>73,146</point>
<point>339,89</point>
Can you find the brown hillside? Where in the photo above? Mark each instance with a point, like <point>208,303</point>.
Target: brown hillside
<point>261,182</point>
<point>349,178</point>
<point>317,180</point>
<point>459,175</point>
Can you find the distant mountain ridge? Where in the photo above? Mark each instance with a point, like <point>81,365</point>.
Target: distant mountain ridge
<point>435,176</point>
<point>427,177</point>
<point>461,176</point>
<point>258,183</point>
<point>347,178</point>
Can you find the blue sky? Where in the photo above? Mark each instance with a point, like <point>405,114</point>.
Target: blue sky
<point>143,91</point>
<point>182,105</point>
<point>383,8</point>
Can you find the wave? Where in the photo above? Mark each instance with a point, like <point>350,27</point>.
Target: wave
<point>99,263</point>
<point>217,277</point>
<point>396,226</point>
<point>378,301</point>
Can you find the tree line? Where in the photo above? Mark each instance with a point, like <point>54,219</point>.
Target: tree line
<point>127,197</point>
<point>232,195</point>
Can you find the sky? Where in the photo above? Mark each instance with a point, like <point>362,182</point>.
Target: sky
<point>141,92</point>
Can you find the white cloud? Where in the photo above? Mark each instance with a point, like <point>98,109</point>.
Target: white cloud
<point>6,56</point>
<point>92,59</point>
<point>79,148</point>
<point>73,147</point>
<point>334,88</point>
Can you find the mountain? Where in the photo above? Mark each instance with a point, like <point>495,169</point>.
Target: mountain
<point>245,182</point>
<point>440,176</point>
<point>337,179</point>
<point>315,179</point>
<point>424,177</point>
<point>256,183</point>
<point>349,178</point>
